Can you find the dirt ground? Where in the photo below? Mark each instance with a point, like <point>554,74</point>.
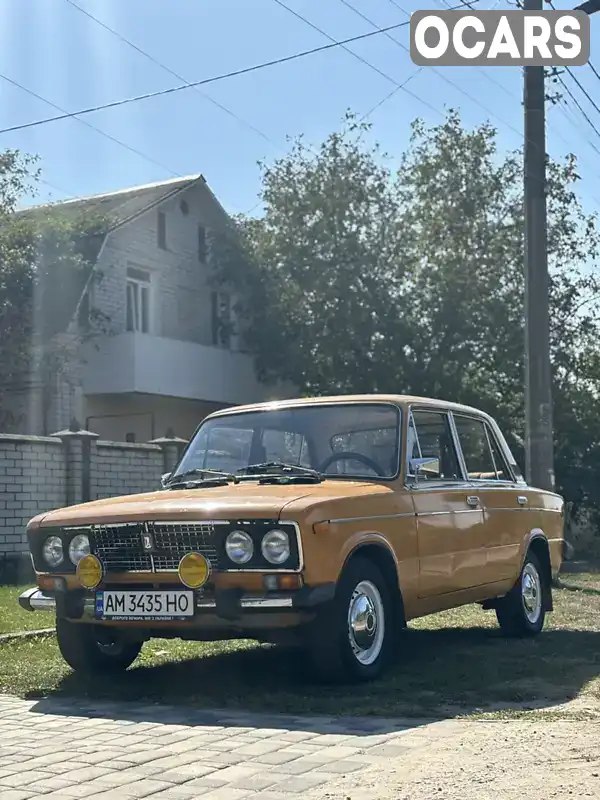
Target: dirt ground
<point>481,760</point>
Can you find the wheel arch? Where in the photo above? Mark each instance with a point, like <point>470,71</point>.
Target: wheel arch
<point>381,554</point>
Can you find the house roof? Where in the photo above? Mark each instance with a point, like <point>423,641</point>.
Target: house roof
<point>122,205</point>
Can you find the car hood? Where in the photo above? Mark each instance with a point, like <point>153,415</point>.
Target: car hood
<point>223,502</point>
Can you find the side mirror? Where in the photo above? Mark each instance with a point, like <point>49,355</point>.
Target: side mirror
<point>424,466</point>
<point>164,478</point>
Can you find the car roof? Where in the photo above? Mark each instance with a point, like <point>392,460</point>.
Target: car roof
<point>396,399</point>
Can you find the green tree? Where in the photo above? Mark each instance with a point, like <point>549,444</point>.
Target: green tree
<point>361,277</point>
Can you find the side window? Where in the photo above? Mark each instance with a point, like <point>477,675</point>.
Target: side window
<point>430,437</point>
<point>503,472</point>
<point>482,456</point>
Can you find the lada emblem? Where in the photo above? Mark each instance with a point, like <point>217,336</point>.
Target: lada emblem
<point>147,542</point>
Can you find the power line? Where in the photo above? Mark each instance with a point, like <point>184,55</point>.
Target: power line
<point>594,70</point>
<point>590,65</point>
<point>391,94</point>
<point>583,89</point>
<point>356,55</point>
<point>88,124</point>
<point>52,186</point>
<point>572,119</point>
<point>170,71</point>
<point>400,44</point>
<point>579,106</point>
<point>471,6</point>
<point>206,81</point>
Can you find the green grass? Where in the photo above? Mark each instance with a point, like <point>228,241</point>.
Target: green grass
<point>14,619</point>
<point>453,663</point>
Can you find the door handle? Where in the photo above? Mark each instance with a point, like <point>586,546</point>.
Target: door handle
<point>472,500</point>
<point>522,500</point>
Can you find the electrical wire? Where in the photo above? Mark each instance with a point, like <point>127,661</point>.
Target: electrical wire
<point>171,72</point>
<point>89,125</point>
<point>580,107</point>
<point>205,81</point>
<point>486,75</point>
<point>589,63</point>
<point>393,80</point>
<point>583,89</point>
<point>357,56</point>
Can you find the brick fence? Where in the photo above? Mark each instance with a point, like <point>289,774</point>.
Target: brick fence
<point>41,473</point>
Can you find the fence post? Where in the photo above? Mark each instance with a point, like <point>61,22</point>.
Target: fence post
<point>78,458</point>
<point>172,448</point>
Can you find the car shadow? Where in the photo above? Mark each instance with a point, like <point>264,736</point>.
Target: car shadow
<point>438,674</point>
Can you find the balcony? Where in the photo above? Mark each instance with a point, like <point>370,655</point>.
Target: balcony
<point>141,363</point>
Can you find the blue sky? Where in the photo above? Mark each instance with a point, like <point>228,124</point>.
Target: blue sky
<point>54,50</point>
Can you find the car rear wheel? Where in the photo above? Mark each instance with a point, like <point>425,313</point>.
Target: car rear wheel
<point>350,640</point>
<point>95,649</point>
<point>521,612</point>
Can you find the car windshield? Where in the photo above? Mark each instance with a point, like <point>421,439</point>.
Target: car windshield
<point>354,440</point>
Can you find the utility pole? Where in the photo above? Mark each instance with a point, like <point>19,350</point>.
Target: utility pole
<point>539,444</point>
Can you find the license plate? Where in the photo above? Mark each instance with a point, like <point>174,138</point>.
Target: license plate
<point>129,606</point>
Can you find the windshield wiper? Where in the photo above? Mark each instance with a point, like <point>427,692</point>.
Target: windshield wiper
<point>190,473</point>
<point>267,466</point>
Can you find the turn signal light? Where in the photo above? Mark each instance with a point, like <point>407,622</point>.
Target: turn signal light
<point>285,583</point>
<point>289,582</point>
<point>51,584</point>
<point>321,527</point>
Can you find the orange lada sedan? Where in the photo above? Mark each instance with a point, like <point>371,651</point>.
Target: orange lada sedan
<point>326,523</point>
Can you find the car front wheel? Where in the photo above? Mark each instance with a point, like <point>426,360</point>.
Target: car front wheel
<point>351,638</point>
<point>521,612</point>
<point>94,649</point>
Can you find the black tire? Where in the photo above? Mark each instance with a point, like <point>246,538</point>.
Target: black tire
<point>521,613</point>
<point>94,649</point>
<point>330,641</point>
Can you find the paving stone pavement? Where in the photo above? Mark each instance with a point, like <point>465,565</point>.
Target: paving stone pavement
<point>77,748</point>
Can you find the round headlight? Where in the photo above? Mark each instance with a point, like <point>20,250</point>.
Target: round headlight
<point>79,547</point>
<point>53,551</point>
<point>276,547</point>
<point>239,547</point>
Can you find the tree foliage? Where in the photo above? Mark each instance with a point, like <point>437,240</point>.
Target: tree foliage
<point>46,258</point>
<point>364,277</point>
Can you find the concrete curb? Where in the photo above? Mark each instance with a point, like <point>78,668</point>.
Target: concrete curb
<point>16,637</point>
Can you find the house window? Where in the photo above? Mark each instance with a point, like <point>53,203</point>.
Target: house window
<point>220,319</point>
<point>162,230</point>
<point>138,301</point>
<point>202,244</point>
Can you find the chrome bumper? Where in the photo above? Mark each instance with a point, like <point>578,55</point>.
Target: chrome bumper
<point>227,603</point>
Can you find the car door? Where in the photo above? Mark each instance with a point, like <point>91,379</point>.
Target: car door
<point>503,498</point>
<point>449,525</point>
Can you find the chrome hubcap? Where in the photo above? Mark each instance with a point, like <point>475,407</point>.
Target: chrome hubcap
<point>531,592</point>
<point>366,623</point>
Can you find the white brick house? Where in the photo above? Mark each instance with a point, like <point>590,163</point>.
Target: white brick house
<point>165,363</point>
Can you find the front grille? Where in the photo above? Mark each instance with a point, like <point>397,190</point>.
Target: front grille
<point>120,549</point>
<point>174,540</point>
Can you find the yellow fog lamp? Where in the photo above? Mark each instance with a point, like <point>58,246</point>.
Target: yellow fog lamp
<point>89,571</point>
<point>194,570</point>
